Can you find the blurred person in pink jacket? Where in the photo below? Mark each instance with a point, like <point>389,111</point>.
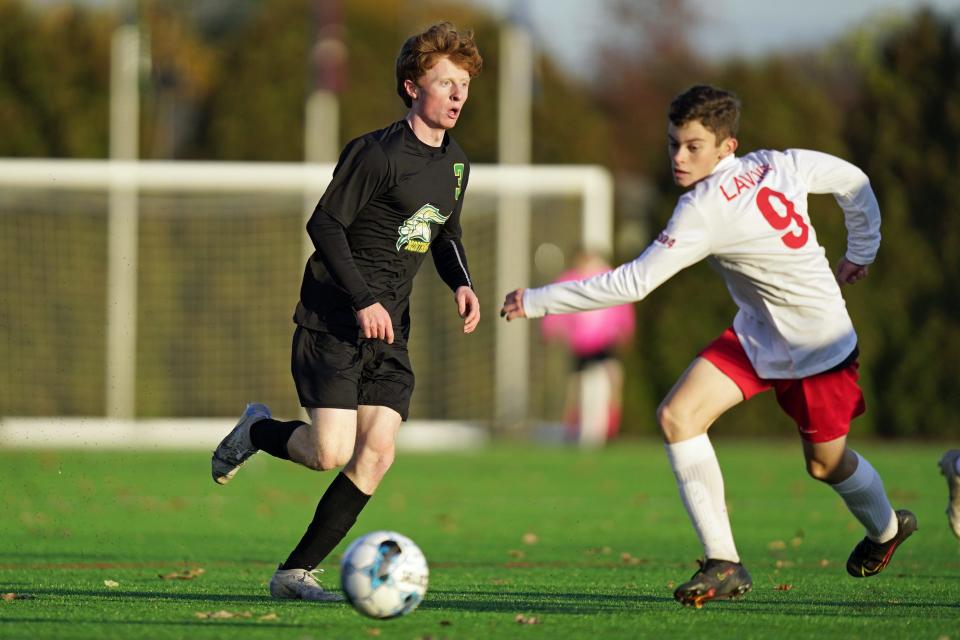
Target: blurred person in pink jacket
<point>593,405</point>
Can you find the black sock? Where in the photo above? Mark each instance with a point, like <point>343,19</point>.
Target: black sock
<point>272,436</point>
<point>336,512</point>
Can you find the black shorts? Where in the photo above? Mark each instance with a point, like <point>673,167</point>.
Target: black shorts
<point>583,362</point>
<point>339,370</point>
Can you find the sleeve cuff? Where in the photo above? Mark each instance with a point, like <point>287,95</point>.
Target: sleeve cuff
<point>363,302</point>
<point>533,303</point>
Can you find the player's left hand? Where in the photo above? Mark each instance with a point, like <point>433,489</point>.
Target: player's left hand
<point>849,272</point>
<point>468,306</point>
<point>513,306</point>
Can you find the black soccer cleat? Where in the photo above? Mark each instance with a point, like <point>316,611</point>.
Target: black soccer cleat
<point>869,558</point>
<point>715,579</point>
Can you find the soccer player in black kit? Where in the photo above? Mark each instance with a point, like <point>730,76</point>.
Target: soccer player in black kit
<point>395,194</point>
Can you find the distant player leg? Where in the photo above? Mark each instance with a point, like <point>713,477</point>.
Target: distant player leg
<point>702,394</point>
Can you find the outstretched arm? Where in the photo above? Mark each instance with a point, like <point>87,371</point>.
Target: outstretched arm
<point>684,242</point>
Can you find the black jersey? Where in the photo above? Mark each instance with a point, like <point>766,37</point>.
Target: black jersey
<point>392,198</point>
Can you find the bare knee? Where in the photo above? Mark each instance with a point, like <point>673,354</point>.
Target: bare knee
<point>676,425</point>
<point>818,470</point>
<point>324,460</point>
<point>830,466</point>
<point>830,472</point>
<point>375,461</point>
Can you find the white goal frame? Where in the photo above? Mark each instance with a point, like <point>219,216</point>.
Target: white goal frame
<point>122,180</point>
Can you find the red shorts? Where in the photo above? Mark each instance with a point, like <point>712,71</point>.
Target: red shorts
<point>822,405</point>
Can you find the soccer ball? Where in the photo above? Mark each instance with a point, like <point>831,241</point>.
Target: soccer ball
<point>384,574</point>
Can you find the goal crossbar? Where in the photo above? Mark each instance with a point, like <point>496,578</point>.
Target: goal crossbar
<point>124,180</point>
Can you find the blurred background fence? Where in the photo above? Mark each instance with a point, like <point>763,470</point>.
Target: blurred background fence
<point>214,260</point>
<point>287,81</point>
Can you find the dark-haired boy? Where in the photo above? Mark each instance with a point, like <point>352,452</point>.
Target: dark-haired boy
<point>748,217</point>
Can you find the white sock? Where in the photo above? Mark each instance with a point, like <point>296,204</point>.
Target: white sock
<point>865,497</point>
<point>701,489</point>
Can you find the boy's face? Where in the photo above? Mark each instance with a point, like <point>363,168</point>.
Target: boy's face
<point>439,94</point>
<point>694,152</point>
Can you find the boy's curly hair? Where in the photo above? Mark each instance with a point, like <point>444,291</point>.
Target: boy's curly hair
<point>420,52</point>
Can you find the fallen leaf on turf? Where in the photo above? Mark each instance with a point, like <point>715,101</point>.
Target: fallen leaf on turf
<point>670,584</point>
<point>185,574</point>
<point>500,581</point>
<point>530,538</point>
<point>776,545</point>
<point>783,587</point>
<point>784,564</point>
<point>373,631</point>
<point>592,551</point>
<point>222,614</point>
<point>269,616</point>
<point>626,558</point>
<point>514,553</point>
<point>796,542</point>
<point>111,583</point>
<point>445,623</point>
<point>7,597</point>
<point>522,619</point>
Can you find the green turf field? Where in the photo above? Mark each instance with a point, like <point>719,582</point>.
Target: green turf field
<point>583,545</point>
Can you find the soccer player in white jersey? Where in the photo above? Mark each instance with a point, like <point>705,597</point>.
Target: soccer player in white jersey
<point>748,216</point>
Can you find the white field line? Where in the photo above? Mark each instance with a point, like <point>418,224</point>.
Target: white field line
<point>198,433</point>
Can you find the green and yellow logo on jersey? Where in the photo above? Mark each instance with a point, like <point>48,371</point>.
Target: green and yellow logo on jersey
<point>415,231</point>
<point>458,171</point>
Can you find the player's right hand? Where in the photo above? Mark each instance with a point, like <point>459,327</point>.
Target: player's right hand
<point>849,272</point>
<point>513,306</point>
<point>375,322</point>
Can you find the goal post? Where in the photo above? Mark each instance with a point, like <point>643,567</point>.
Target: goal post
<point>150,245</point>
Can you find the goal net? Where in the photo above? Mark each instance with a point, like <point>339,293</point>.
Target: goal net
<point>166,290</point>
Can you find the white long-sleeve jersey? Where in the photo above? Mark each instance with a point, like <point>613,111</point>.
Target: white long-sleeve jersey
<point>749,218</point>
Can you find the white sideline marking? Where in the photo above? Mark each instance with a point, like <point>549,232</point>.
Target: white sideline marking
<point>199,433</point>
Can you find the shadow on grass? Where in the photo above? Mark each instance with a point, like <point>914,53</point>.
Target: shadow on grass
<point>570,603</point>
<point>155,623</point>
<point>492,601</point>
<point>539,602</point>
<point>809,607</point>
<point>117,594</point>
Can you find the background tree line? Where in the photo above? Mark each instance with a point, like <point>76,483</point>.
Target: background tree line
<point>230,85</point>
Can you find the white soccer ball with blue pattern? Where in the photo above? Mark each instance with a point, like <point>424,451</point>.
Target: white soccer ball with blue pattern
<point>384,574</point>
